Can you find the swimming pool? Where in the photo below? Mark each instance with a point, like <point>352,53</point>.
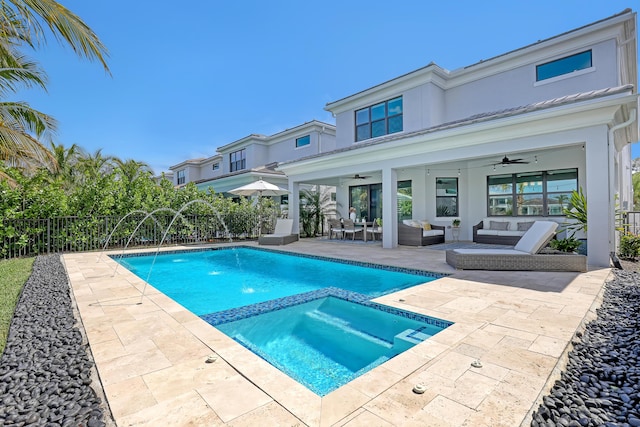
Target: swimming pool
<point>306,315</point>
<point>215,280</point>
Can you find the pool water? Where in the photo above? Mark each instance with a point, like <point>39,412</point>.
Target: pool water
<point>311,318</point>
<point>216,280</point>
<point>326,343</point>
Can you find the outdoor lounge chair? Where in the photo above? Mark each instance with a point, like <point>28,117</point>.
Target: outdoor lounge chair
<point>524,255</point>
<point>282,235</point>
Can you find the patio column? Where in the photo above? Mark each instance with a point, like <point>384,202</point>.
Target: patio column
<point>294,205</point>
<point>389,208</point>
<point>598,196</point>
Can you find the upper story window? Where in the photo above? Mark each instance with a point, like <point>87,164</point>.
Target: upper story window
<point>302,141</point>
<point>181,176</point>
<point>379,119</point>
<point>215,166</point>
<point>238,160</point>
<point>566,65</point>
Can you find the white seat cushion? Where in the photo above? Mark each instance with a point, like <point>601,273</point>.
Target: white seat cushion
<point>429,233</point>
<point>488,232</point>
<point>283,227</point>
<point>536,236</point>
<point>510,233</point>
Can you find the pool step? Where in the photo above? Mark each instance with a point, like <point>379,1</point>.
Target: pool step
<point>345,326</point>
<point>410,337</point>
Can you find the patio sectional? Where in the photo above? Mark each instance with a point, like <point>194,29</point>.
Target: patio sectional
<point>419,233</point>
<point>501,231</point>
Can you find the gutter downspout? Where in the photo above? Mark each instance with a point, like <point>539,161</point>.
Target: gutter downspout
<point>611,147</point>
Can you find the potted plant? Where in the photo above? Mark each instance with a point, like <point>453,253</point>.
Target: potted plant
<point>455,223</point>
<point>577,212</point>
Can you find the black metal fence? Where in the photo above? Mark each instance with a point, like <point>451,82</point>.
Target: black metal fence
<point>631,222</point>
<point>29,237</point>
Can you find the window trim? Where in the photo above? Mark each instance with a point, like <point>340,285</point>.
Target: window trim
<point>181,176</point>
<point>308,138</point>
<point>238,164</point>
<point>369,123</point>
<point>456,197</point>
<point>514,193</point>
<point>567,74</point>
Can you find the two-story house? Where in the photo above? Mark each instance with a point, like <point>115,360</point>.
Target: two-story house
<point>255,156</point>
<point>510,136</point>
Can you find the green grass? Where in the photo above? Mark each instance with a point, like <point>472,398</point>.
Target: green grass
<point>13,275</point>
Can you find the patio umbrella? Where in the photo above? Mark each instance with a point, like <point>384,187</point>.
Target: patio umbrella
<point>261,188</point>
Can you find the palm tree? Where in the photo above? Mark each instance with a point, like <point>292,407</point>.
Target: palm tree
<point>128,170</point>
<point>22,23</point>
<point>25,20</point>
<point>67,160</point>
<point>94,166</point>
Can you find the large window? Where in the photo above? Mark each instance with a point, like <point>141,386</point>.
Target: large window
<point>238,160</point>
<point>565,65</point>
<point>446,196</point>
<point>302,141</point>
<point>181,176</point>
<point>544,193</point>
<point>380,119</point>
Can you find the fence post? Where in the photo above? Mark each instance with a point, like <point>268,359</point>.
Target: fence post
<point>48,235</point>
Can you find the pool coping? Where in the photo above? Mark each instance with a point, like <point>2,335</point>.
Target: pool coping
<point>382,394</point>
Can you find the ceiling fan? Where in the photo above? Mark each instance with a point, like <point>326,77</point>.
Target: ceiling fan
<point>358,176</point>
<point>507,161</point>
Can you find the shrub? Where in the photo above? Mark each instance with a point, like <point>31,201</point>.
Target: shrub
<point>569,244</point>
<point>629,246</point>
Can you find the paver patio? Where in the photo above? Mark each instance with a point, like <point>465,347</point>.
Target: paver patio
<point>151,357</point>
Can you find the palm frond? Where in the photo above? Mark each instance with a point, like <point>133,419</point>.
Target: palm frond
<point>65,26</point>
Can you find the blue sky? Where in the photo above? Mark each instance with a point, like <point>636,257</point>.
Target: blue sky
<point>188,78</point>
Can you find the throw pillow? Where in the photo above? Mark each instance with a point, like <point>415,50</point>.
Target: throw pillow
<point>524,226</point>
<point>426,225</point>
<point>498,225</point>
<point>416,223</point>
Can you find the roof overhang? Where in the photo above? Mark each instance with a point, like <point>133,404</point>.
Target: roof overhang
<point>409,150</point>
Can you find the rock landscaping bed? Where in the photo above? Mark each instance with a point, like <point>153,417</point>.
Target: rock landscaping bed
<point>600,386</point>
<point>46,369</point>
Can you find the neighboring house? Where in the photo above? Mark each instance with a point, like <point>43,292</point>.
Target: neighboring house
<point>430,144</point>
<point>255,156</point>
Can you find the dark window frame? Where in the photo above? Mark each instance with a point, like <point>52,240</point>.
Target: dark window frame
<point>300,141</point>
<point>545,193</point>
<point>181,176</point>
<point>238,160</point>
<point>455,197</point>
<point>215,166</point>
<point>374,127</point>
<point>546,71</point>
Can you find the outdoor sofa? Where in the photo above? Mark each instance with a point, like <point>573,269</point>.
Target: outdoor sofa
<point>524,256</point>
<point>419,233</point>
<point>501,231</point>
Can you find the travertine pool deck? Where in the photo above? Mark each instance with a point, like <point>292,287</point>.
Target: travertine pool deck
<point>151,356</point>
